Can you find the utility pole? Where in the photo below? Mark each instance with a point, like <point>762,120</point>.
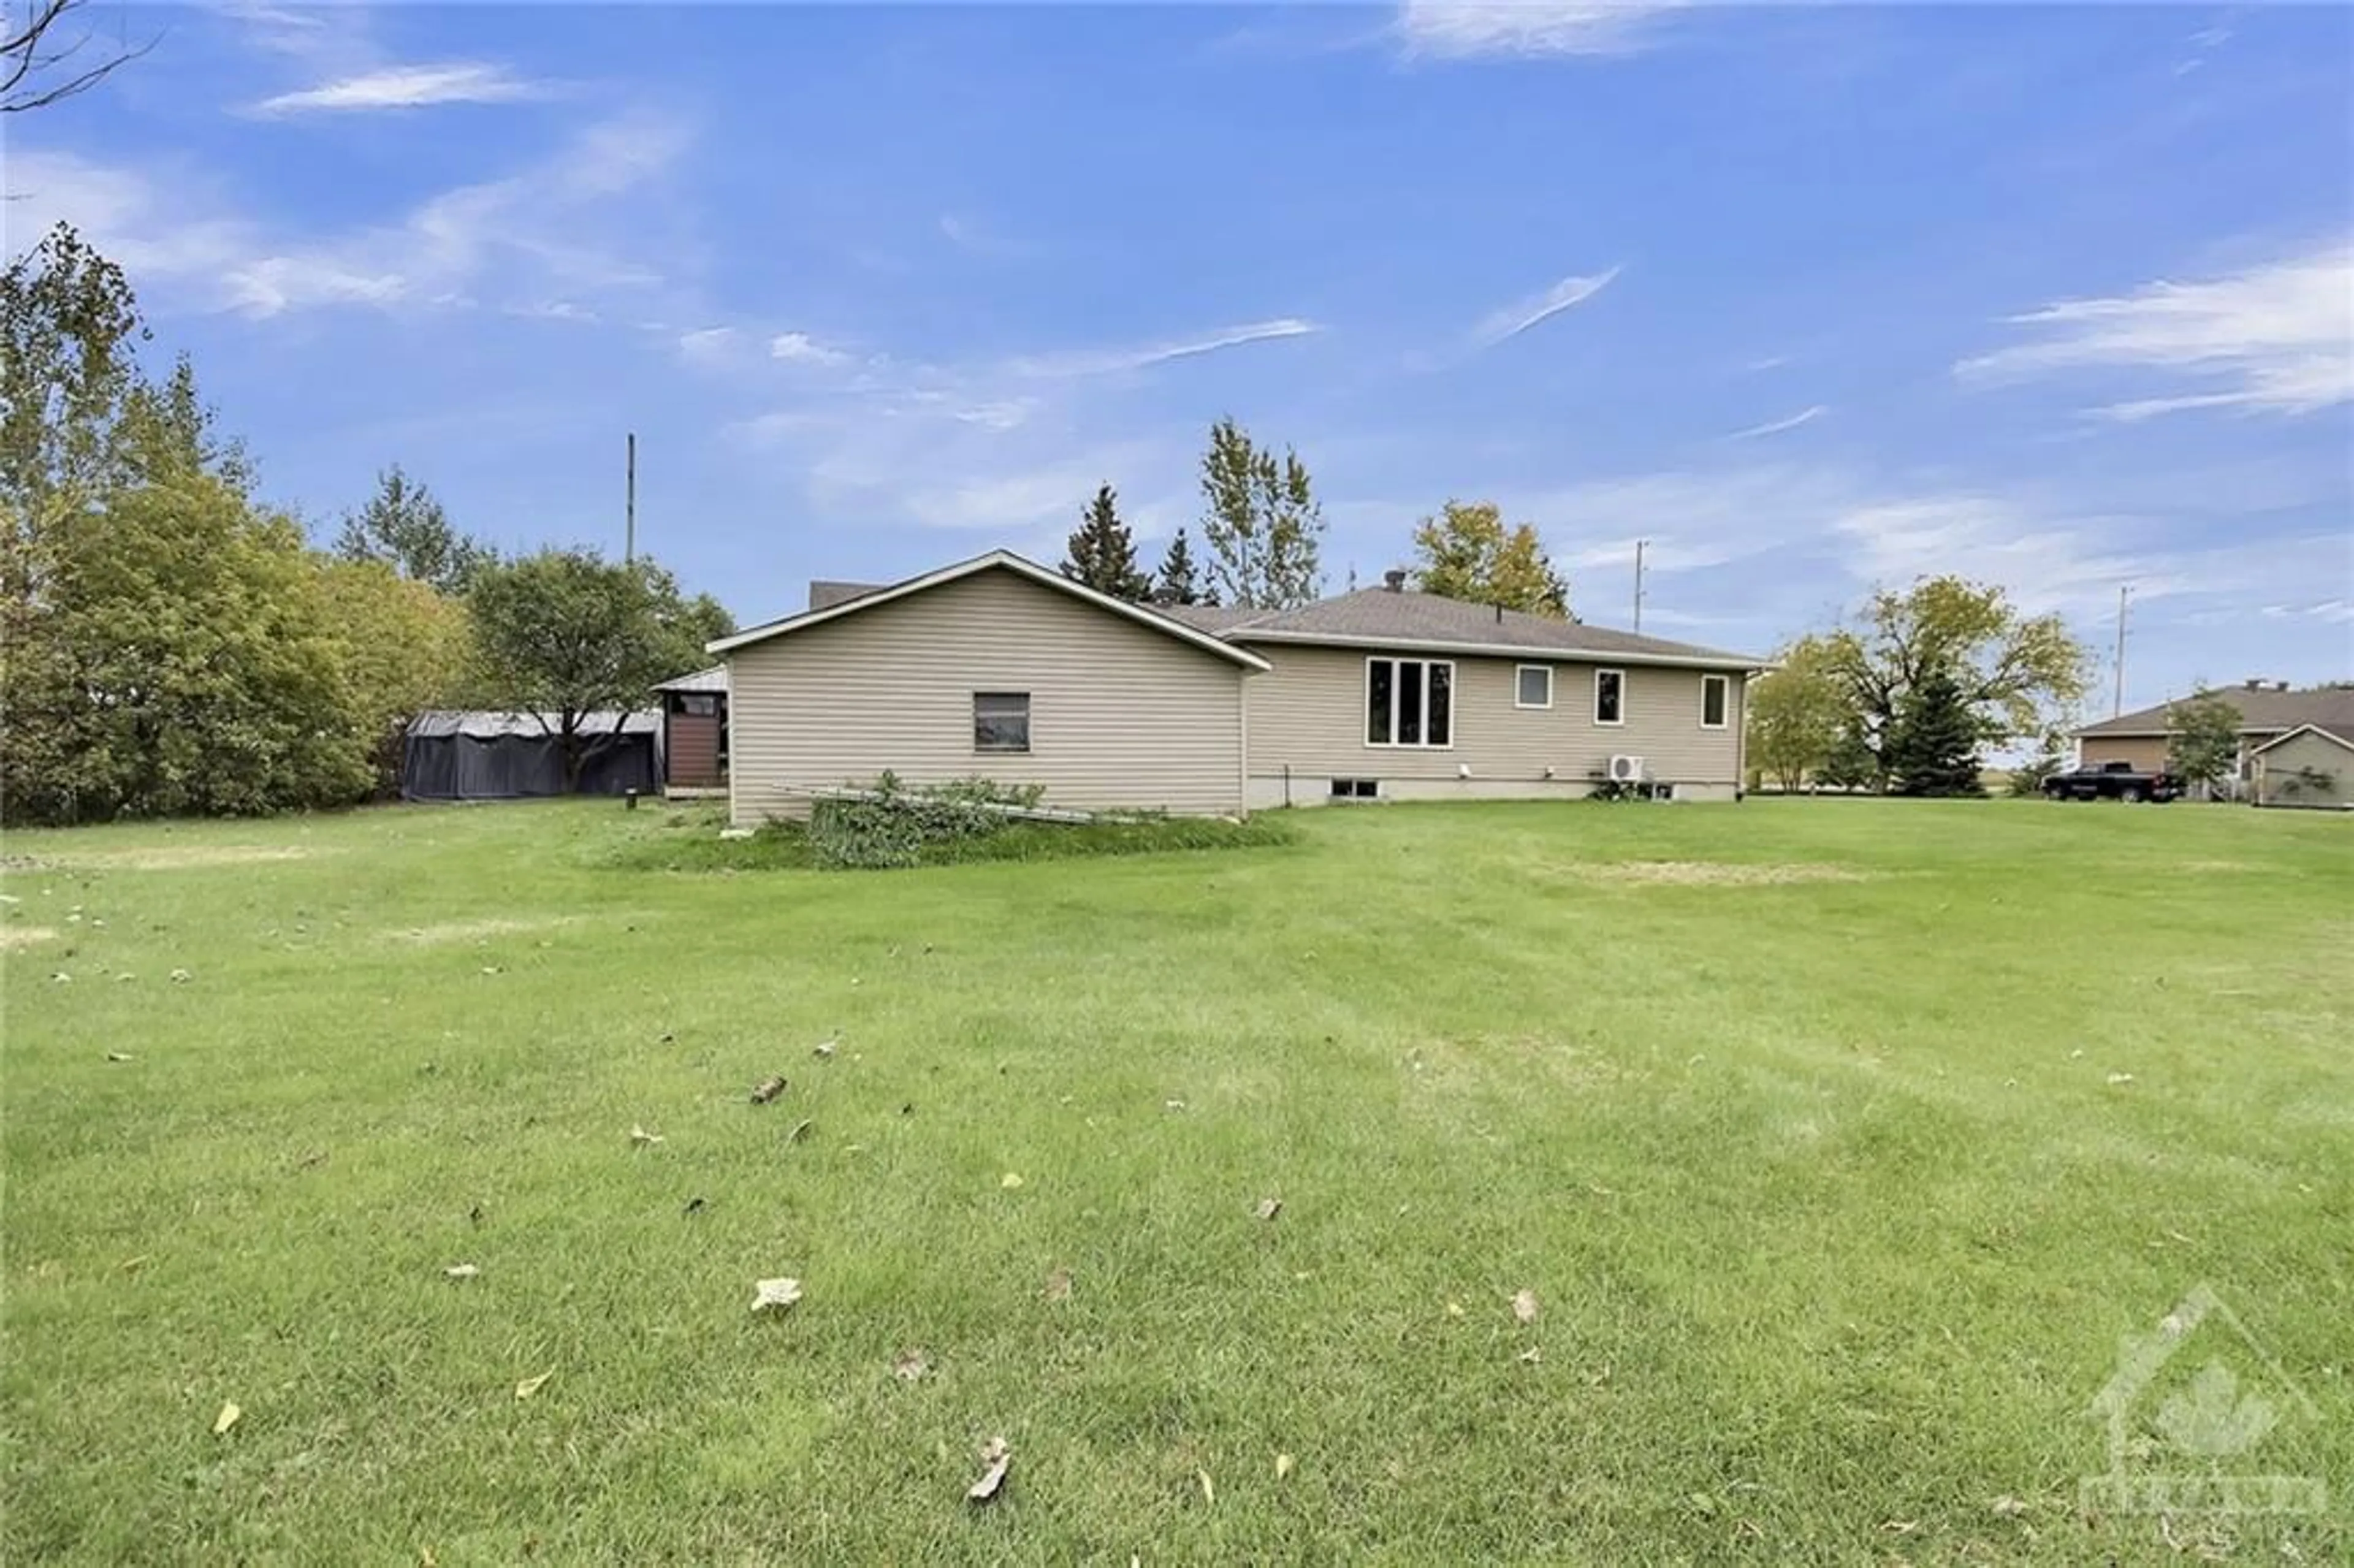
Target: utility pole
<point>2118,703</point>
<point>1639,545</point>
<point>629,519</point>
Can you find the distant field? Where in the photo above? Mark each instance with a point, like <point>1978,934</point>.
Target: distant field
<point>1837,1146</point>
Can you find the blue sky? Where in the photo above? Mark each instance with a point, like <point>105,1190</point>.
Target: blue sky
<point>1811,299</point>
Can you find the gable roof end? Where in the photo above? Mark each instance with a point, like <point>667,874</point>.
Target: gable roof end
<point>2283,740</point>
<point>995,560</point>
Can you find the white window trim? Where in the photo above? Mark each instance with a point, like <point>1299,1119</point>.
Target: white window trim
<point>1454,702</point>
<point>1724,681</point>
<point>1520,670</point>
<point>1620,722</point>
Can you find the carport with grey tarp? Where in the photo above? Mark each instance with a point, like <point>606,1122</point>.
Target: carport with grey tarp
<point>512,757</point>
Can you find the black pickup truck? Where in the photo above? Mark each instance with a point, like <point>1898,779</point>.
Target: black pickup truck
<point>2112,781</point>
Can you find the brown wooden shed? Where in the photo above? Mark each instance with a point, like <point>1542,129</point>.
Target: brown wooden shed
<point>695,731</point>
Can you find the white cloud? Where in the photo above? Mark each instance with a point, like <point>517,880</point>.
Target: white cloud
<point>799,348</point>
<point>549,229</point>
<point>407,87</point>
<point>1518,317</point>
<point>1109,360</point>
<point>1454,29</point>
<point>2277,338</point>
<point>1777,427</point>
<point>706,345</point>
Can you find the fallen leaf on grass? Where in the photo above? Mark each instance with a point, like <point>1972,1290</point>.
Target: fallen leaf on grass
<point>1284,1465</point>
<point>766,1089</point>
<point>117,1056</point>
<point>2009,1507</point>
<point>532,1385</point>
<point>133,1265</point>
<point>995,1457</point>
<point>640,1136</point>
<point>799,1131</point>
<point>1532,1355</point>
<point>1209,1492</point>
<point>775,1295</point>
<point>462,1271</point>
<point>1058,1284</point>
<point>910,1365</point>
<point>694,1205</point>
<point>1454,1309</point>
<point>1268,1208</point>
<point>1524,1306</point>
<point>1012,1181</point>
<point>2116,1078</point>
<point>231,1414</point>
<point>826,1048</point>
<point>1900,1526</point>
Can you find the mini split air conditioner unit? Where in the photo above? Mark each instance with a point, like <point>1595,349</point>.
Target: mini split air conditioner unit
<point>1626,770</point>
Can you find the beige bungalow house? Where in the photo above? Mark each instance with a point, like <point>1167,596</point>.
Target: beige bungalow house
<point>1000,667</point>
<point>2269,713</point>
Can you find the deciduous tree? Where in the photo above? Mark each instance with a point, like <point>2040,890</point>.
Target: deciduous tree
<point>1797,715</point>
<point>1466,552</point>
<point>1101,553</point>
<point>177,660</point>
<point>2011,673</point>
<point>2202,741</point>
<point>1262,521</point>
<point>568,635</point>
<point>405,648</point>
<point>49,50</point>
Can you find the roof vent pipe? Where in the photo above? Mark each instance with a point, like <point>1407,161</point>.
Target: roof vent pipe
<point>1393,580</point>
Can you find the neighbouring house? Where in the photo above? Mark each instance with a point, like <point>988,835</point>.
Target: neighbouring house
<point>694,732</point>
<point>1000,667</point>
<point>2268,711</point>
<point>2309,766</point>
<point>449,756</point>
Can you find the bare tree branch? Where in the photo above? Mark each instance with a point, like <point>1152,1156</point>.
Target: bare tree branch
<point>39,65</point>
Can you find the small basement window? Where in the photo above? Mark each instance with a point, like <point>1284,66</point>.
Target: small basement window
<point>1532,686</point>
<point>1715,696</point>
<point>1609,696</point>
<point>1000,721</point>
<point>1356,789</point>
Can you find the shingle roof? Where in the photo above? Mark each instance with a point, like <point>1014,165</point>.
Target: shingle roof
<point>1380,615</point>
<point>2262,712</point>
<point>715,679</point>
<point>825,593</point>
<point>1208,617</point>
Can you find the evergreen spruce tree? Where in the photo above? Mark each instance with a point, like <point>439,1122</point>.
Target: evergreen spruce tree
<point>1933,748</point>
<point>1180,584</point>
<point>1101,553</point>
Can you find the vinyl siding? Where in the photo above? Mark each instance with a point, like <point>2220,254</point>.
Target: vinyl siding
<point>2278,784</point>
<point>1308,713</point>
<point>1120,716</point>
<point>2146,753</point>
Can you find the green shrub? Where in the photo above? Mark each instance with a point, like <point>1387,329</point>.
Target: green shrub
<point>894,824</point>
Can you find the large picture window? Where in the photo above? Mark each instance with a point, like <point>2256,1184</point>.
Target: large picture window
<point>1000,721</point>
<point>1409,701</point>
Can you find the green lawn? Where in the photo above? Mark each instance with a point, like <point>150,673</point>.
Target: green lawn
<point>1806,1123</point>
